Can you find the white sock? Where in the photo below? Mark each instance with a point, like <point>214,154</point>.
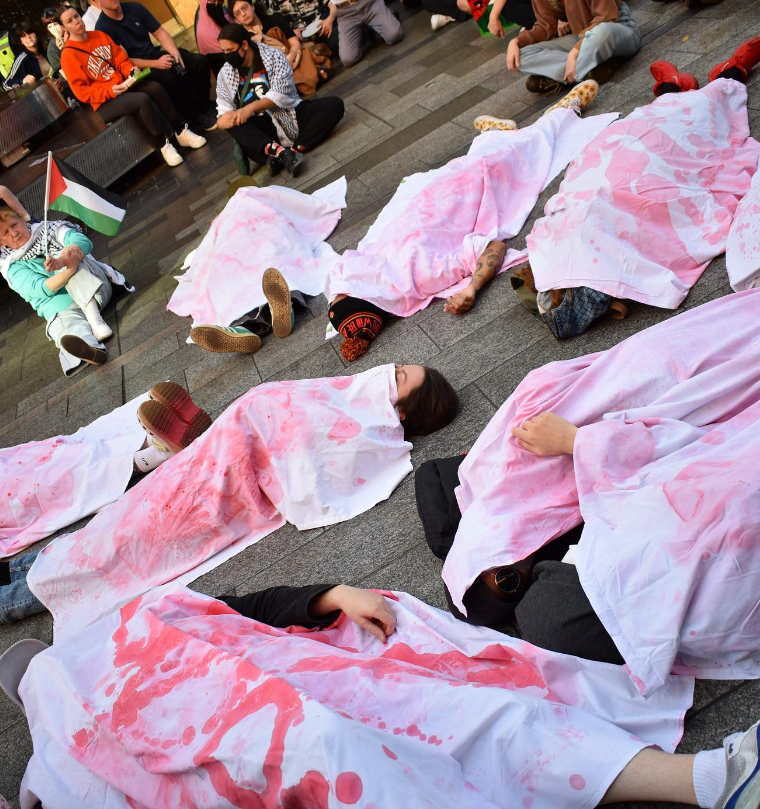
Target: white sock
<point>92,313</point>
<point>709,776</point>
<point>148,459</point>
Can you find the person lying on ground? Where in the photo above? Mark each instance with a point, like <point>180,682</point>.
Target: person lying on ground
<point>309,67</point>
<point>602,32</point>
<point>68,289</point>
<point>107,83</point>
<point>258,104</point>
<point>312,452</point>
<point>173,421</point>
<point>185,76</point>
<point>409,264</point>
<point>330,686</point>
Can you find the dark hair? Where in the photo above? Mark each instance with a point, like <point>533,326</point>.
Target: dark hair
<point>59,10</point>
<point>234,32</point>
<point>17,30</point>
<point>430,407</point>
<point>258,7</point>
<point>52,13</point>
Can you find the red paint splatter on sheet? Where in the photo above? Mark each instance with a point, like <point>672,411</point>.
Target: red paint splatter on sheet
<point>388,752</point>
<point>577,781</point>
<point>348,788</point>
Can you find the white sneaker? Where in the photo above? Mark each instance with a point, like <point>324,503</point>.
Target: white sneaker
<point>742,789</point>
<point>485,123</point>
<point>171,155</point>
<point>439,20</point>
<point>189,139</point>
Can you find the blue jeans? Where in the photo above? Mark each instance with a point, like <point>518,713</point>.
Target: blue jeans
<point>16,599</point>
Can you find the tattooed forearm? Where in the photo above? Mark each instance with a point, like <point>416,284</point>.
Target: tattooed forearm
<point>488,264</point>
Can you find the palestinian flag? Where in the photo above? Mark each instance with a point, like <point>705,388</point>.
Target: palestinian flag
<point>72,193</point>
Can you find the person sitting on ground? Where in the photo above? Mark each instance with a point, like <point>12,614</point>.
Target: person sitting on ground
<point>68,288</point>
<point>258,104</point>
<point>600,33</point>
<point>185,76</point>
<point>309,68</point>
<point>491,17</point>
<point>100,74</point>
<point>163,441</point>
<point>92,14</point>
<point>29,64</point>
<point>352,16</point>
<point>668,79</point>
<point>10,200</point>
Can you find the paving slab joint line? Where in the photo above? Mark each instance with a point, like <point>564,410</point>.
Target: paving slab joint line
<point>414,547</point>
<point>719,699</point>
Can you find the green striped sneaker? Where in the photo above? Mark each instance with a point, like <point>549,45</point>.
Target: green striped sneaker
<point>225,339</point>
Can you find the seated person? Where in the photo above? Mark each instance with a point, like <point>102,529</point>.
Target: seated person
<point>68,288</point>
<point>185,76</point>
<point>107,84</point>
<point>258,104</point>
<point>351,17</point>
<point>58,37</point>
<point>92,14</point>
<point>668,79</point>
<point>309,68</point>
<point>211,19</point>
<point>491,17</point>
<point>323,720</point>
<point>29,64</point>
<point>165,438</point>
<point>600,31</point>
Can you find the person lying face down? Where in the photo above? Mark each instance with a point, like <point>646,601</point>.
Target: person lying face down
<point>359,322</point>
<point>319,709</point>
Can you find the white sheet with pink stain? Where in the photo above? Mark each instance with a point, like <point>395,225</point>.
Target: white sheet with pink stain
<point>312,452</point>
<point>427,240</point>
<point>650,200</point>
<point>47,485</point>
<point>178,701</point>
<point>680,385</point>
<point>259,228</point>
<point>743,246</point>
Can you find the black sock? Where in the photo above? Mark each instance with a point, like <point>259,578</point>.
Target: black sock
<point>732,73</point>
<point>5,573</point>
<point>668,87</point>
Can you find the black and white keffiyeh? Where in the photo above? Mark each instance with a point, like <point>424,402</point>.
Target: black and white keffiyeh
<point>282,91</point>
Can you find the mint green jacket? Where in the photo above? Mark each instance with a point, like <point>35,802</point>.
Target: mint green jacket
<point>28,278</point>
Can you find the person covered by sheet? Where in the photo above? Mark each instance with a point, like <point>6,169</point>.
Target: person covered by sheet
<point>426,403</point>
<point>629,769</point>
<point>172,421</point>
<point>49,265</point>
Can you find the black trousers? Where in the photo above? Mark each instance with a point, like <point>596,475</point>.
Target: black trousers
<point>446,7</point>
<point>190,92</point>
<point>520,12</point>
<point>316,120</point>
<point>150,102</point>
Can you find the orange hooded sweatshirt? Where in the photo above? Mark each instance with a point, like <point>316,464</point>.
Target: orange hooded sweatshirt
<point>94,66</point>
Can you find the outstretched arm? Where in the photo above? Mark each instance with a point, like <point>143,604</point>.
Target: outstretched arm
<point>488,265</point>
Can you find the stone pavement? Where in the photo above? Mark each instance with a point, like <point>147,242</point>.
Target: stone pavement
<point>409,108</point>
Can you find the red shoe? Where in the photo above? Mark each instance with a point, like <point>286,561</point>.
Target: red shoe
<point>745,57</point>
<point>667,73</point>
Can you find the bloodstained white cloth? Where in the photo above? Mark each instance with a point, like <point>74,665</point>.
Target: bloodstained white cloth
<point>178,701</point>
<point>650,201</point>
<point>743,247</point>
<point>259,228</point>
<point>666,466</point>
<point>312,452</point>
<point>426,242</point>
<point>47,485</point>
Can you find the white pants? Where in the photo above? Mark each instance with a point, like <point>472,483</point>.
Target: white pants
<point>83,286</point>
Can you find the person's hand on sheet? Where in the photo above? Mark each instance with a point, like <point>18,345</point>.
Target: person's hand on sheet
<point>546,434</point>
<point>367,609</point>
<point>461,302</point>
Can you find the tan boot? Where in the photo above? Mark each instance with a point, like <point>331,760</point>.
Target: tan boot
<point>578,98</point>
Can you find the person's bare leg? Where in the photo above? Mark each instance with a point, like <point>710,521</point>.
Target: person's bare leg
<point>546,434</point>
<point>652,775</point>
<point>488,266</point>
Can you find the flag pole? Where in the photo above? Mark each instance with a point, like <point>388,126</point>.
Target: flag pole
<point>47,198</point>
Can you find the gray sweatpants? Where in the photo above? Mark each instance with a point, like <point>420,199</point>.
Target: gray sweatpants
<point>83,286</point>
<point>620,39</point>
<point>351,20</point>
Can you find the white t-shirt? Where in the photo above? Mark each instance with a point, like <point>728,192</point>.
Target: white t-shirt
<point>90,17</point>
